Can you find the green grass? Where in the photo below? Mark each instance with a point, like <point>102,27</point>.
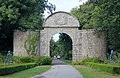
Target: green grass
<point>88,72</point>
<point>67,61</point>
<point>28,73</point>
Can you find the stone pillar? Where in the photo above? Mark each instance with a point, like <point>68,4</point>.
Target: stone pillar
<point>44,44</point>
<point>77,54</point>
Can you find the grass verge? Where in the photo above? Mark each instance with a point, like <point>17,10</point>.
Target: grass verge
<point>28,73</point>
<point>88,72</point>
<point>67,61</point>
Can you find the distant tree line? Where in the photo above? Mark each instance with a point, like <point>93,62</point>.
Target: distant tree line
<point>62,47</point>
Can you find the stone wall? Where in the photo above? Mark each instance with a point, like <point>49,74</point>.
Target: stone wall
<point>92,45</point>
<point>85,43</point>
<point>20,38</point>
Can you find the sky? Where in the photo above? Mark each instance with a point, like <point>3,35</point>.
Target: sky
<point>64,5</point>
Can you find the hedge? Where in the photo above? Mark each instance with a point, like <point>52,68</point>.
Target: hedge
<point>15,68</point>
<point>28,62</point>
<point>104,67</point>
<point>26,59</point>
<point>43,60</point>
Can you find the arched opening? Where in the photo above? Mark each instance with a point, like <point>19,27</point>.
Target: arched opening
<point>61,45</point>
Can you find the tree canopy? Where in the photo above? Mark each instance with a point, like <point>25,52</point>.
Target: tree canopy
<point>84,14</point>
<point>21,15</point>
<point>102,15</point>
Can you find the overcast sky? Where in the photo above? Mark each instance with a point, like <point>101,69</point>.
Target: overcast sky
<point>64,5</point>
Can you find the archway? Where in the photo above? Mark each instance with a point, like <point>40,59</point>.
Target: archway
<point>85,44</point>
<point>60,22</point>
<point>61,47</point>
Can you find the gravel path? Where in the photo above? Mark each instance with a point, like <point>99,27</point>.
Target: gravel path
<point>60,71</point>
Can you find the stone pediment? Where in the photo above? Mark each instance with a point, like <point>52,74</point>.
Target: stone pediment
<point>61,19</point>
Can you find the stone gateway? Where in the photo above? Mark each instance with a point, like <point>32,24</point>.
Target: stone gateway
<point>84,42</point>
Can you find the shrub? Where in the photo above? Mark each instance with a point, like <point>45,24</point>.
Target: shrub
<point>2,59</point>
<point>43,60</point>
<point>95,60</point>
<point>15,68</point>
<point>46,61</point>
<point>105,67</point>
<point>39,60</point>
<point>26,59</point>
<point>3,53</point>
<point>16,59</point>
<point>77,63</point>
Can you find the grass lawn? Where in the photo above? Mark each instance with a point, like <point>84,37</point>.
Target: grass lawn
<point>88,72</point>
<point>28,73</point>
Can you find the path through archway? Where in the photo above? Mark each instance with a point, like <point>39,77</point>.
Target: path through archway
<point>62,47</point>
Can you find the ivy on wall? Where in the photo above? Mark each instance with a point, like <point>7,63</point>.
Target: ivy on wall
<point>31,43</point>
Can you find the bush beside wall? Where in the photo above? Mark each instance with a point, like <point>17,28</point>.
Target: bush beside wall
<point>27,59</point>
<point>43,60</point>
<point>104,67</point>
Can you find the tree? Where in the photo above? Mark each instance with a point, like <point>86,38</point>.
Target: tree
<point>107,18</point>
<point>65,46</point>
<point>84,15</point>
<point>22,15</point>
<point>62,47</point>
<point>53,46</point>
<point>102,15</point>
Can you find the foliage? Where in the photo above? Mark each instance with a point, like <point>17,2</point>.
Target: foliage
<point>29,73</point>
<point>26,59</point>
<point>39,60</point>
<point>22,15</point>
<point>2,59</point>
<point>16,59</point>
<point>77,63</point>
<point>106,18</point>
<point>84,15</point>
<point>27,13</point>
<point>53,47</point>
<point>94,60</point>
<point>31,43</point>
<point>3,53</point>
<point>103,15</point>
<point>67,61</point>
<point>44,60</point>
<point>62,47</point>
<point>15,68</point>
<point>105,67</point>
<point>88,72</point>
<point>65,46</point>
<point>21,63</point>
